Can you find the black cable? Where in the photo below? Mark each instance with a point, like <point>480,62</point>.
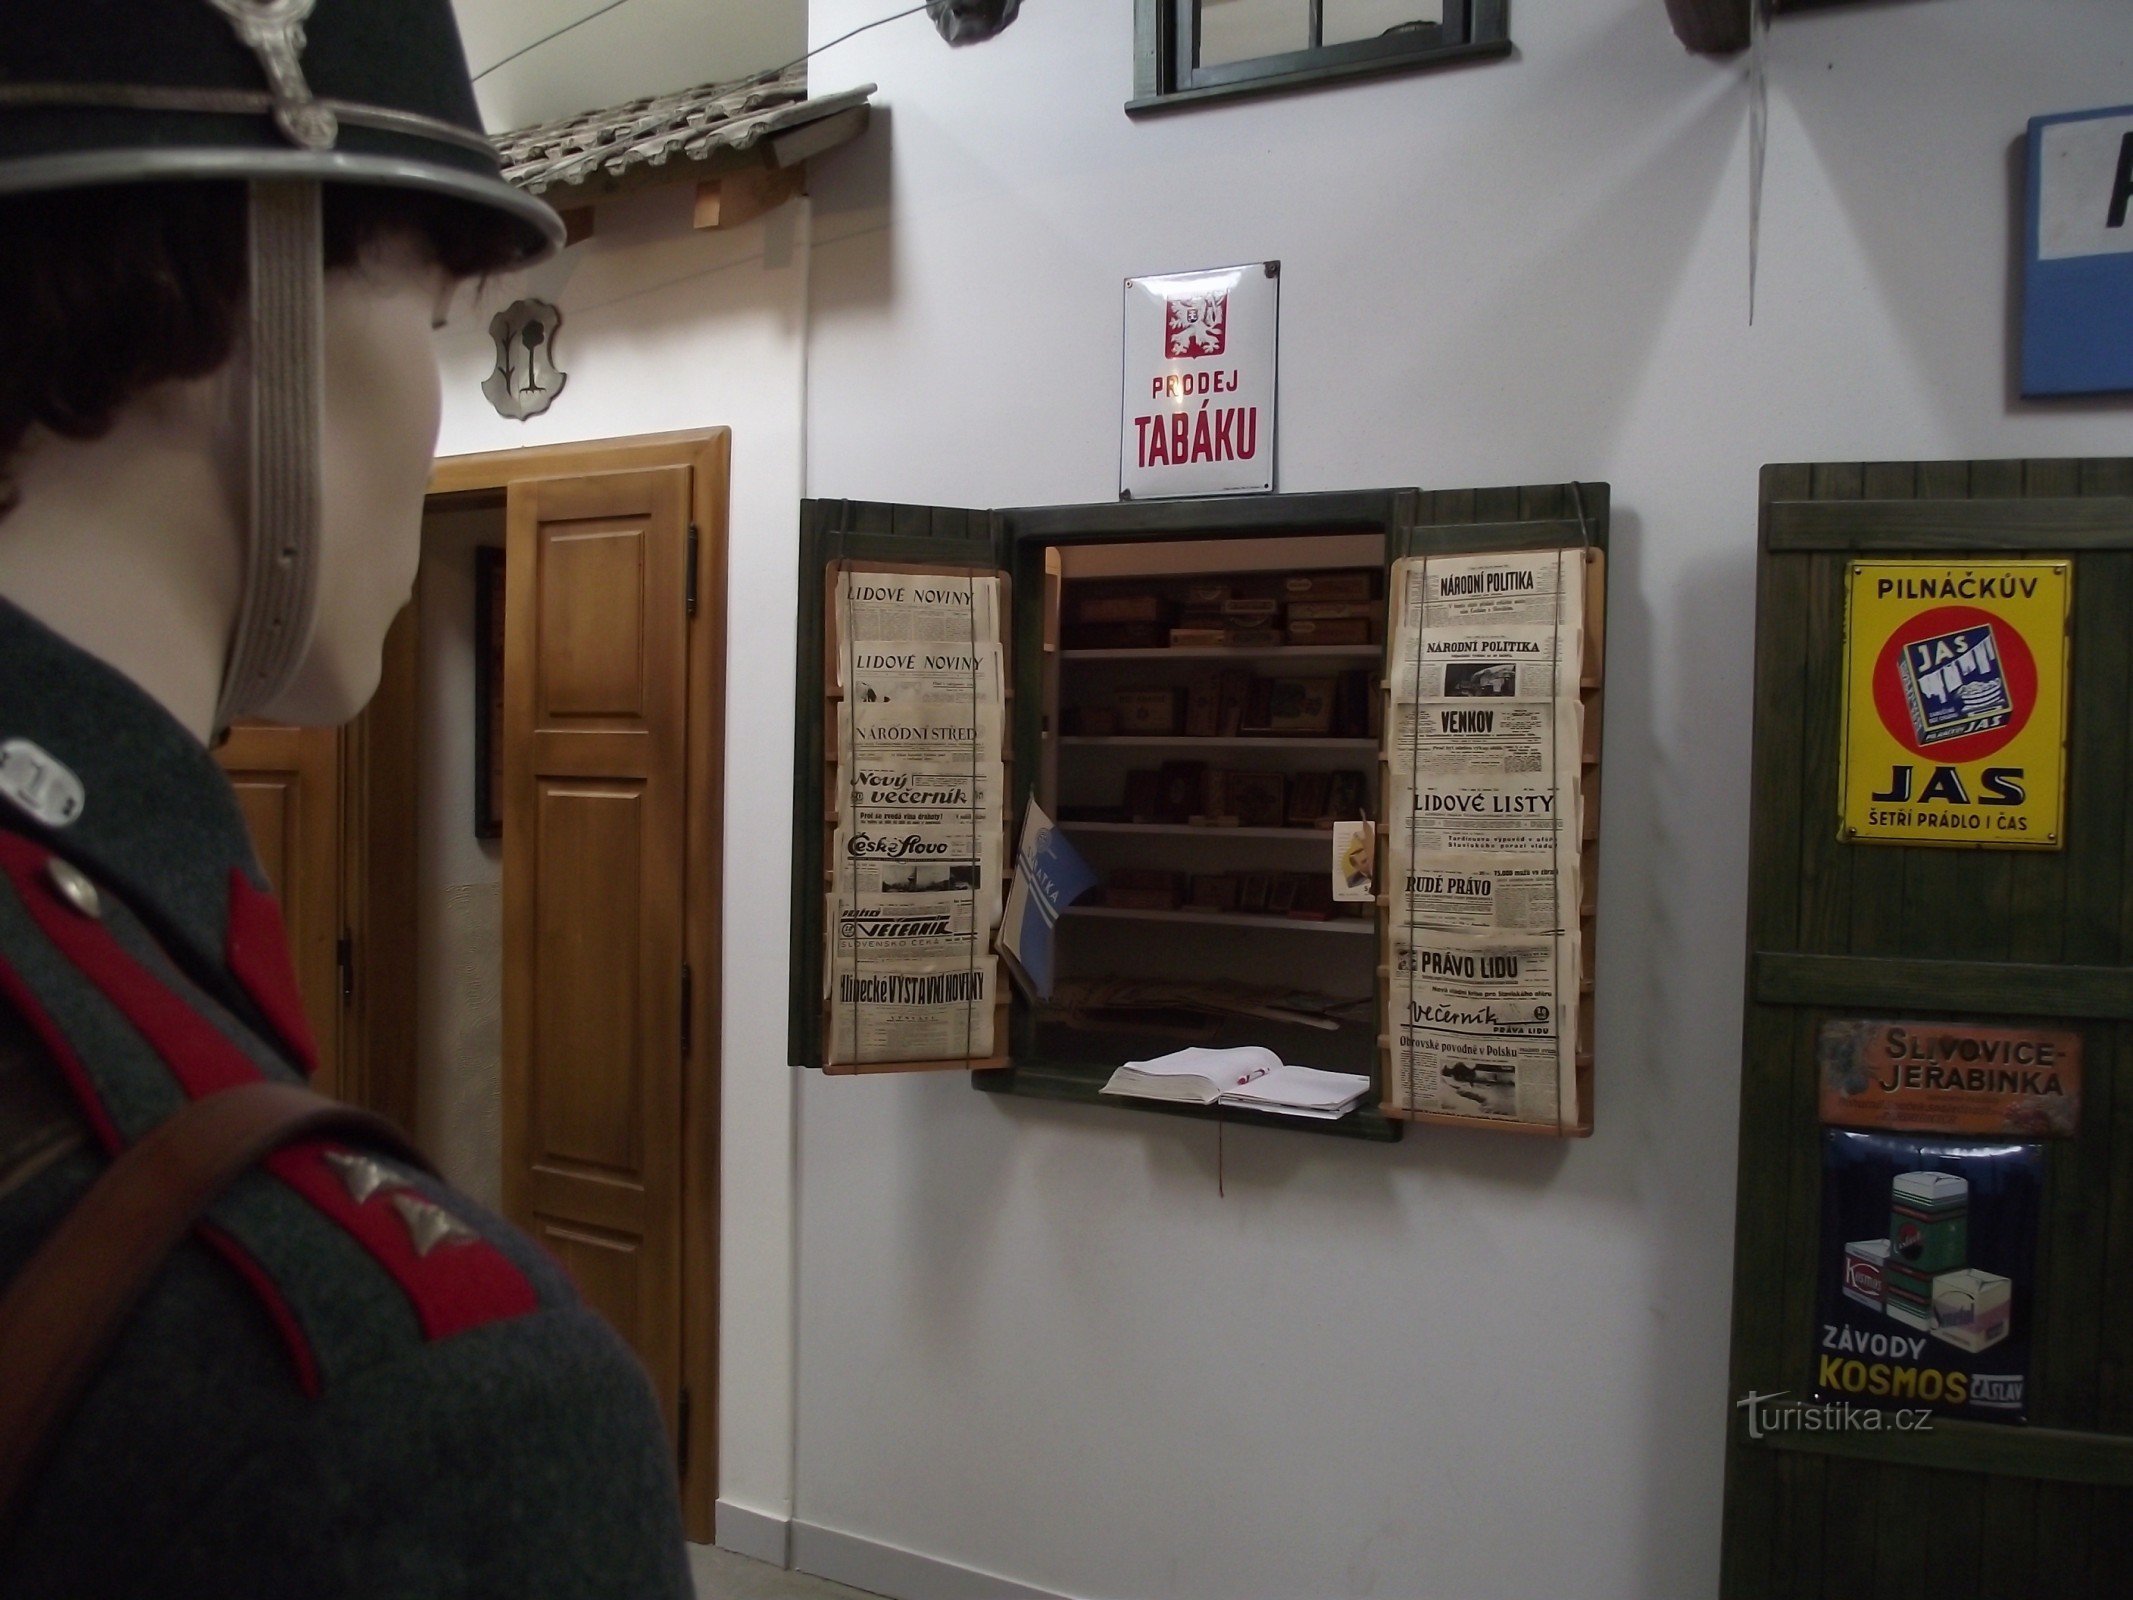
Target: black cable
<point>544,38</point>
<point>779,72</point>
<point>775,72</point>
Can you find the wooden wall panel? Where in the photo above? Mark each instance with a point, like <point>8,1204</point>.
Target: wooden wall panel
<point>1968,1509</point>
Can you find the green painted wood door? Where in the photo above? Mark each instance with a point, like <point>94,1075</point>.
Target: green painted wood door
<point>846,530</point>
<point>1967,1509</point>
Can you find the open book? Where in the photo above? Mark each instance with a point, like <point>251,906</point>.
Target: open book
<point>1249,1077</point>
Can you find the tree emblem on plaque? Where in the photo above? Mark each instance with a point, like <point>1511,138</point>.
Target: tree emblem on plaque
<point>526,379</point>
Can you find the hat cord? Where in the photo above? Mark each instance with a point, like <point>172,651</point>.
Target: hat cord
<point>278,606</point>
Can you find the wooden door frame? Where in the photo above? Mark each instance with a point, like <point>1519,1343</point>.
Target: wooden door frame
<point>379,807</point>
<point>706,452</point>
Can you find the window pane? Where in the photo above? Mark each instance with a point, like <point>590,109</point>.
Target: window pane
<point>1366,19</point>
<point>1238,30</point>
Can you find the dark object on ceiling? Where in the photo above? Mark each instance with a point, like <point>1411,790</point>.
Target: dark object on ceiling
<point>971,21</point>
<point>1720,27</point>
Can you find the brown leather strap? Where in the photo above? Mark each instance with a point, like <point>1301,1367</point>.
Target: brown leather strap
<point>64,1309</point>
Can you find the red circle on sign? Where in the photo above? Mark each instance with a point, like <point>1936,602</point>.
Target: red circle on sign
<point>1905,700</point>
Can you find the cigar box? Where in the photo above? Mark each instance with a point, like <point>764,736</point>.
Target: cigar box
<point>1929,1221</point>
<point>1115,636</point>
<point>1233,694</point>
<point>1122,605</point>
<point>1313,898</point>
<point>1307,799</point>
<point>1300,705</point>
<point>1144,795</point>
<point>1349,586</point>
<point>1970,1309</point>
<point>1214,891</point>
<point>1142,889</point>
<point>1255,799</point>
<point>1146,712</point>
<point>1199,630</point>
<point>1907,1295</point>
<point>1184,791</point>
<point>1332,630</point>
<point>1203,707</point>
<point>1345,796</point>
<point>1864,1261</point>
<point>1336,610</point>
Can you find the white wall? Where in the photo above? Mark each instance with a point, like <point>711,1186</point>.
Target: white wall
<point>1032,1339</point>
<point>664,328</point>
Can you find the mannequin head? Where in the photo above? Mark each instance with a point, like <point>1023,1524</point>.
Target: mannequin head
<point>123,427</point>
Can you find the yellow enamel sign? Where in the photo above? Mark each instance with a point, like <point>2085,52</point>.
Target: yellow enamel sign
<point>1955,703</point>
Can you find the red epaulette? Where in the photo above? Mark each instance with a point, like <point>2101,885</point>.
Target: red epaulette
<point>353,1256</point>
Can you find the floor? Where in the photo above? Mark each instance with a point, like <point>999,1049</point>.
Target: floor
<point>722,1575</point>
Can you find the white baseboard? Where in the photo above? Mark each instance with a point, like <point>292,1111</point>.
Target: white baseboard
<point>756,1534</point>
<point>885,1569</point>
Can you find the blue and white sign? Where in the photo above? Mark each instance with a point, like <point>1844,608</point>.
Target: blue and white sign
<point>1050,875</point>
<point>2077,290</point>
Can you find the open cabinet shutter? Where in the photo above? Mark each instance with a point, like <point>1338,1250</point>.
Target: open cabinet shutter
<point>2039,938</point>
<point>833,531</point>
<point>1553,516</point>
<point>595,701</point>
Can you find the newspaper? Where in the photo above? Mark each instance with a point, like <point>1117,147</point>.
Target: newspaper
<point>1481,1025</point>
<point>942,703</point>
<point>902,608</point>
<point>1486,666</point>
<point>916,877</point>
<point>1500,596</point>
<point>902,866</point>
<point>914,1011</point>
<point>1484,822</point>
<point>935,931</point>
<point>1445,739</point>
<point>1458,893</point>
<point>887,792</point>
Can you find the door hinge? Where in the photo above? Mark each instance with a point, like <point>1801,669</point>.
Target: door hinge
<point>688,1010</point>
<point>681,1432</point>
<point>344,958</point>
<point>692,569</point>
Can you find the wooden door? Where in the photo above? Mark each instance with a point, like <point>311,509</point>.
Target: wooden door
<point>595,701</point>
<point>1840,930</point>
<point>288,783</point>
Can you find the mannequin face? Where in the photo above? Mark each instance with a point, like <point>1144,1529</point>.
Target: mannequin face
<point>377,439</point>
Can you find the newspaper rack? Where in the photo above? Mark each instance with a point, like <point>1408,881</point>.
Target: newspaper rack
<point>833,780</point>
<point>1586,783</point>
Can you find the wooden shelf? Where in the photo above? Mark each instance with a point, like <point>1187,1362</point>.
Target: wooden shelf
<point>1186,830</point>
<point>1258,741</point>
<point>1239,652</point>
<point>1227,919</point>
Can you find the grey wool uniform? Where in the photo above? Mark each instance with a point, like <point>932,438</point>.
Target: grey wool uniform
<point>350,1380</point>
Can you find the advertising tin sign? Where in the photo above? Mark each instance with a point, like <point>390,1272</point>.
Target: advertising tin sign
<point>1953,1078</point>
<point>1197,412</point>
<point>1955,694</point>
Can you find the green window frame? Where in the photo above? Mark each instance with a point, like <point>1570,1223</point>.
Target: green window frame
<point>1167,73</point>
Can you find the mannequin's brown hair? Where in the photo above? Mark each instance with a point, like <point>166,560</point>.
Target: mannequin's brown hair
<point>110,290</point>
